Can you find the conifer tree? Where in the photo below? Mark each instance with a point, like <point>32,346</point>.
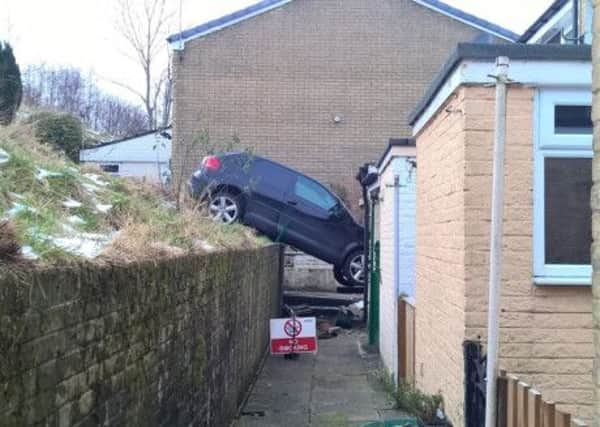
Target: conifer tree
<point>11,87</point>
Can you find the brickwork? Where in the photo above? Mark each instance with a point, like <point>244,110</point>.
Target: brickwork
<point>168,343</point>
<point>278,80</point>
<point>440,257</point>
<point>546,336</point>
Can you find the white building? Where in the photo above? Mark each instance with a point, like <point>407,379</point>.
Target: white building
<point>395,215</point>
<point>145,156</point>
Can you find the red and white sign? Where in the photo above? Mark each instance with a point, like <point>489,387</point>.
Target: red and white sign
<point>297,335</point>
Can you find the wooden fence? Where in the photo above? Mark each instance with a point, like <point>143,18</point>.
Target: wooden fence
<point>519,405</point>
<point>406,341</point>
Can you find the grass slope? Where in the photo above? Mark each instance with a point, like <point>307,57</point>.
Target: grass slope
<point>60,211</point>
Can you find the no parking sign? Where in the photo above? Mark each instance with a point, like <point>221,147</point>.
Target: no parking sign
<point>294,335</point>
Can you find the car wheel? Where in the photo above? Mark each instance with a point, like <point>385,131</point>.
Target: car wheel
<point>340,278</point>
<point>354,268</point>
<point>225,208</point>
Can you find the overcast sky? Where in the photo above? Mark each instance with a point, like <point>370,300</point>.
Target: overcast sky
<point>81,32</point>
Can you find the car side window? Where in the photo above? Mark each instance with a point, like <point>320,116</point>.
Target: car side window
<point>314,193</point>
<point>270,178</point>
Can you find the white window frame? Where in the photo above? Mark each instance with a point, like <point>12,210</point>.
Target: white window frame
<point>549,144</point>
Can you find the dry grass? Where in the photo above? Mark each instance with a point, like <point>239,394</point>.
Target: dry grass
<point>10,249</point>
<point>142,215</point>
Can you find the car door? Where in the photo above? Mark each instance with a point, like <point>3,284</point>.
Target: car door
<point>267,185</point>
<point>312,220</point>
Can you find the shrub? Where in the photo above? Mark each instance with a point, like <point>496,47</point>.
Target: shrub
<point>412,400</point>
<point>11,86</point>
<point>63,131</point>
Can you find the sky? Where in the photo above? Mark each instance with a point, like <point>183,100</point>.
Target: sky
<point>81,33</point>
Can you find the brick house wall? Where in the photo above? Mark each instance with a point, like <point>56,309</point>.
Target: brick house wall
<point>440,255</point>
<point>545,336</point>
<point>278,80</point>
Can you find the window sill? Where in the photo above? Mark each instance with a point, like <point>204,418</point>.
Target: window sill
<point>562,281</point>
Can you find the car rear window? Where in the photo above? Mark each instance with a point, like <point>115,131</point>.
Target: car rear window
<point>314,193</point>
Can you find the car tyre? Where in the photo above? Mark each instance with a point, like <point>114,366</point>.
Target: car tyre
<point>354,268</point>
<point>225,207</point>
<point>340,278</point>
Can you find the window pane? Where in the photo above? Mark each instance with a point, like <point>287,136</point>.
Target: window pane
<point>568,216</point>
<point>573,119</point>
<point>314,193</point>
<point>110,168</point>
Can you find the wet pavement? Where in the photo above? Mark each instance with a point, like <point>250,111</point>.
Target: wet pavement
<point>334,388</point>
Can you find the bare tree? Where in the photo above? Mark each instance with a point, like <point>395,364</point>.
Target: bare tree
<point>143,24</point>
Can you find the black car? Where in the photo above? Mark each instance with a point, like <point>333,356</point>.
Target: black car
<point>284,204</point>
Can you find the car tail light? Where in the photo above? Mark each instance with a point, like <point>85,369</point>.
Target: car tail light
<point>212,163</point>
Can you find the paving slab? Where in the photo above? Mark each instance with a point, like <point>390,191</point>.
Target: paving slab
<point>334,388</point>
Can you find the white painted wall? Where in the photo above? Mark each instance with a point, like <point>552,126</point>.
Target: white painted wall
<point>145,156</point>
<point>388,325</point>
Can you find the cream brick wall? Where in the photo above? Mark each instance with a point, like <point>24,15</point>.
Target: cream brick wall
<point>545,335</point>
<point>440,258</point>
<point>278,79</point>
<point>388,325</point>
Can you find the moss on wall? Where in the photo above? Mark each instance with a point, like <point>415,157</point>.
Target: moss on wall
<point>171,342</point>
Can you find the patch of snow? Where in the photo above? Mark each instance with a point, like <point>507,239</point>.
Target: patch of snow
<point>4,157</point>
<point>103,208</point>
<point>204,245</point>
<point>87,245</point>
<point>90,188</point>
<point>71,204</point>
<point>18,208</point>
<point>43,174</point>
<point>76,220</point>
<point>28,253</point>
<point>97,179</point>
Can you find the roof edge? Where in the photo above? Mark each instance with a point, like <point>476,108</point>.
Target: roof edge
<point>489,52</point>
<point>469,19</point>
<point>224,22</point>
<point>139,135</point>
<point>395,142</point>
<point>552,10</point>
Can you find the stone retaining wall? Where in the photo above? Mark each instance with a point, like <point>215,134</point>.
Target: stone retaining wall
<point>167,343</point>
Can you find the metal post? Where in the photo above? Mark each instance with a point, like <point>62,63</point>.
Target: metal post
<point>496,240</point>
<point>366,253</point>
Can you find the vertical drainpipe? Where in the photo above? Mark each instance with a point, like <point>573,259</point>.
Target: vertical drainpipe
<point>396,169</point>
<point>575,21</point>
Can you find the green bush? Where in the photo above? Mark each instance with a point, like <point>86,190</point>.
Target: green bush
<point>11,87</point>
<point>63,131</point>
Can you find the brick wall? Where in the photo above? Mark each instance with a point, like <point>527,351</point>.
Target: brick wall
<point>167,343</point>
<point>545,336</point>
<point>278,79</point>
<point>440,258</point>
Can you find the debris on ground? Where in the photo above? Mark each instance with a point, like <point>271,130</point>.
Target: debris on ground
<point>344,318</point>
<point>327,330</point>
<point>357,308</point>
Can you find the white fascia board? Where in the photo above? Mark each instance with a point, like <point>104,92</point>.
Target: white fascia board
<point>179,44</point>
<point>575,74</point>
<point>402,151</point>
<point>558,16</point>
<point>464,21</point>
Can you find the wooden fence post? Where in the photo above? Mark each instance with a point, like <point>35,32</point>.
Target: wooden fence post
<point>548,414</point>
<point>522,407</point>
<point>534,417</point>
<point>502,400</point>
<point>511,404</point>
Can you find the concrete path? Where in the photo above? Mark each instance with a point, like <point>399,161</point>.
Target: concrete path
<point>335,388</point>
